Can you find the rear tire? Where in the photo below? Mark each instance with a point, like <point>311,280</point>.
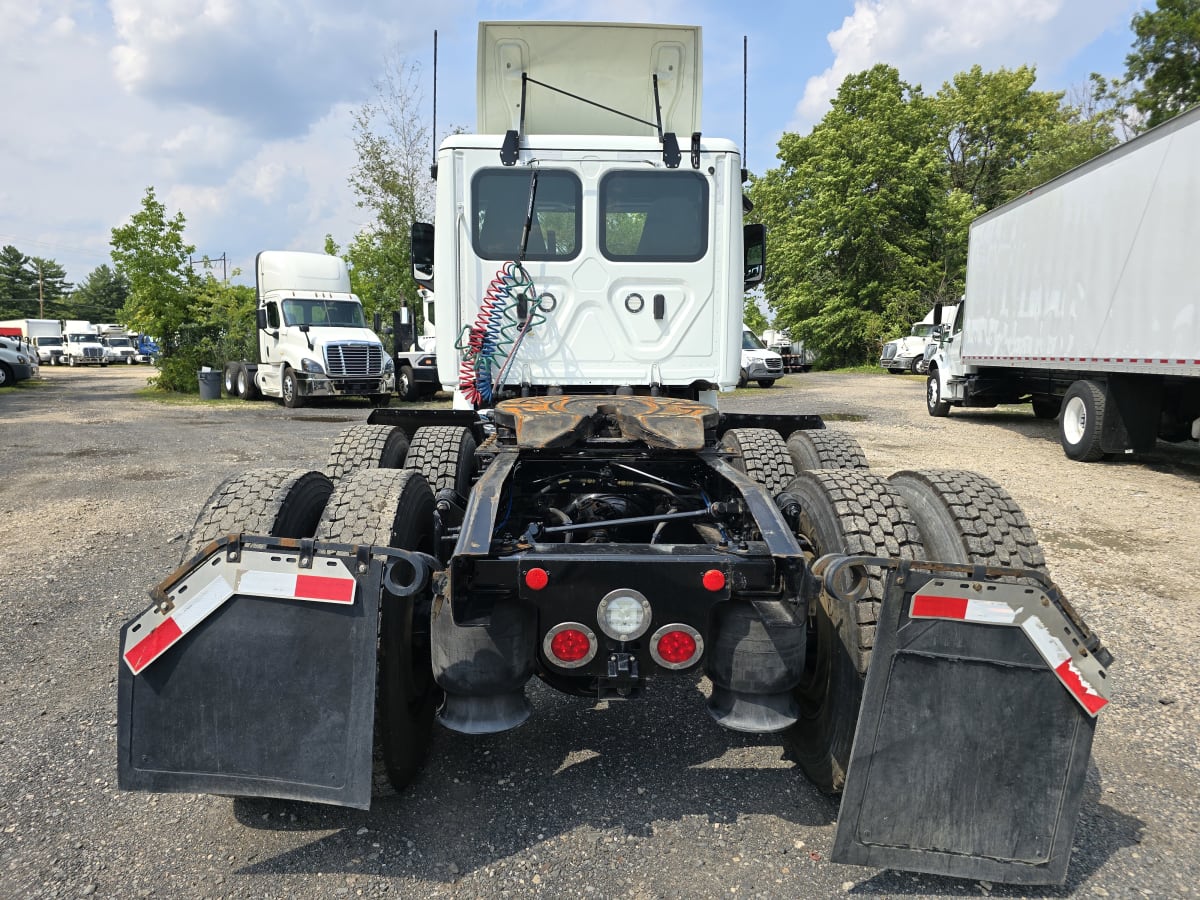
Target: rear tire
<point>743,378</point>
<point>856,513</point>
<point>761,454</point>
<point>445,455</point>
<point>1046,407</point>
<point>937,407</point>
<point>406,385</point>
<point>276,502</point>
<point>247,387</point>
<point>967,518</point>
<point>391,508</point>
<point>367,447</point>
<point>1082,421</point>
<point>231,379</point>
<point>823,449</point>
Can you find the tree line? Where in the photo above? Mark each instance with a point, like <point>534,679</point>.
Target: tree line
<point>868,213</point>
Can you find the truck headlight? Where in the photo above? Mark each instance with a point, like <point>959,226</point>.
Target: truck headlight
<point>312,367</point>
<point>389,365</point>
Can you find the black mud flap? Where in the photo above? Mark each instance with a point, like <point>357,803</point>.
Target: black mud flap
<point>975,729</point>
<point>254,675</point>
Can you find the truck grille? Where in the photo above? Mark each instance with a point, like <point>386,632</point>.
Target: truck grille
<point>352,359</point>
<point>774,365</point>
<point>93,352</point>
<point>889,351</point>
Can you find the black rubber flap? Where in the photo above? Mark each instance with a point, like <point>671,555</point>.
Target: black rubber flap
<point>264,698</point>
<point>970,755</point>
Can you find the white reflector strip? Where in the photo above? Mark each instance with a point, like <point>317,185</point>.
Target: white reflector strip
<point>1079,673</point>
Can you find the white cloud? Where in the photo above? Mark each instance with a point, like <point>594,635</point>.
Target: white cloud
<point>928,41</point>
<point>274,66</point>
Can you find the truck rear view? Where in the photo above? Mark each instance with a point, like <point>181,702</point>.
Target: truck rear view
<point>588,517</point>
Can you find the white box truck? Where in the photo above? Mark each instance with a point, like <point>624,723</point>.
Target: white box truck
<point>1083,297</point>
<point>312,338</point>
<point>43,335</point>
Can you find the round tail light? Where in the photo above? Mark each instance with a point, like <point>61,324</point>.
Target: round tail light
<point>570,645</point>
<point>676,646</point>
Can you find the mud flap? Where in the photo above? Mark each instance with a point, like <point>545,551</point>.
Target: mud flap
<point>254,675</point>
<point>975,728</point>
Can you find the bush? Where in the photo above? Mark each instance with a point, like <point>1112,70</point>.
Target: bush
<point>184,354</point>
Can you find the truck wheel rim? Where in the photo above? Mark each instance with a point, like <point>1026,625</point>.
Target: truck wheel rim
<point>931,393</point>
<point>1074,420</point>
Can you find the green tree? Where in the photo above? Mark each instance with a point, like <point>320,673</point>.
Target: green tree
<point>18,284</point>
<point>101,295</point>
<point>861,220</point>
<point>753,316</point>
<point>151,253</point>
<point>987,122</point>
<point>1165,61</point>
<point>392,183</point>
<point>1081,132</point>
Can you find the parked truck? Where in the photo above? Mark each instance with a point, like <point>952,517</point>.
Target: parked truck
<point>415,350</point>
<point>43,335</point>
<point>1082,299</point>
<point>585,514</point>
<point>312,338</point>
<point>82,345</point>
<point>796,356</point>
<point>758,362</point>
<point>17,361</point>
<point>907,354</point>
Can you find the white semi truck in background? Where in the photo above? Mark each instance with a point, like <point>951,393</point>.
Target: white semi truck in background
<point>312,338</point>
<point>587,515</point>
<point>82,345</point>
<point>1083,298</point>
<point>907,354</point>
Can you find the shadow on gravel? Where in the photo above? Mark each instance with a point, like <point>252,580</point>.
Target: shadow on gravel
<point>573,766</point>
<point>1182,459</point>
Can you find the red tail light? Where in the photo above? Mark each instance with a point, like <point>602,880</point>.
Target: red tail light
<point>570,645</point>
<point>536,579</point>
<point>676,646</point>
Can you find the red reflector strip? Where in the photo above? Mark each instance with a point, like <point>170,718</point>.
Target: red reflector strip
<point>286,586</point>
<point>153,645</point>
<point>322,587</point>
<point>926,607</point>
<point>1081,690</point>
<point>966,609</point>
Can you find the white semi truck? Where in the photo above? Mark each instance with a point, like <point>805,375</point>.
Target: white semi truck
<point>907,354</point>
<point>82,345</point>
<point>586,515</point>
<point>1083,297</point>
<point>312,338</point>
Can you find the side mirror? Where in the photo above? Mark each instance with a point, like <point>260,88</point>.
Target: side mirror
<point>754,243</point>
<point>261,315</point>
<point>422,254</point>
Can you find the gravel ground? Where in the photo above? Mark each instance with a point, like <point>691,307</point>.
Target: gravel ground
<point>638,799</point>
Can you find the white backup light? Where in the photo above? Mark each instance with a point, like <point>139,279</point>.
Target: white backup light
<point>623,614</point>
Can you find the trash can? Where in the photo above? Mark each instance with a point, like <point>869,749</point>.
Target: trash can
<point>210,384</point>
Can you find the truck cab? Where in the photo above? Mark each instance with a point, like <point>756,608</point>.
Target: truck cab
<point>313,340</point>
<point>82,346</point>
<point>582,251</point>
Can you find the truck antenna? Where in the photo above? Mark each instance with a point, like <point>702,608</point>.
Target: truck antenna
<point>745,78</point>
<point>433,133</point>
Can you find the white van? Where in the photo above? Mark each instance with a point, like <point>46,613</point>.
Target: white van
<point>758,363</point>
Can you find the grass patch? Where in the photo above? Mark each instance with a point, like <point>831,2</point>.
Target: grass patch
<point>29,384</point>
<point>171,398</point>
<point>865,369</point>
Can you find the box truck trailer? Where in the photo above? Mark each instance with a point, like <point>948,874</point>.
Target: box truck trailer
<point>1083,298</point>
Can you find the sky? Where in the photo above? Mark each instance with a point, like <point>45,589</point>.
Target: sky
<point>239,112</point>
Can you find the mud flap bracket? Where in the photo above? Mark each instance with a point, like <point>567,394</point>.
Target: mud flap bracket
<point>254,674</point>
<point>976,725</point>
